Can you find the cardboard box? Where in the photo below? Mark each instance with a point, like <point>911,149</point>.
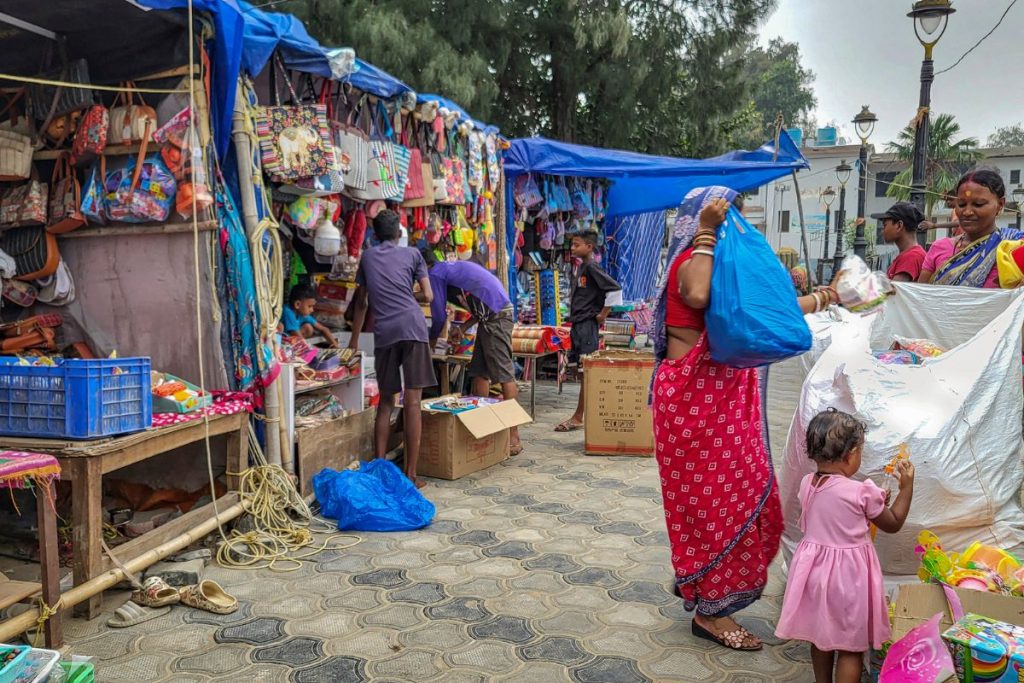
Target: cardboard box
<point>919,602</point>
<point>454,445</point>
<point>985,649</point>
<point>333,445</point>
<point>617,418</point>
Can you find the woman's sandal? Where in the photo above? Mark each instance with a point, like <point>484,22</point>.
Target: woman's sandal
<point>569,426</point>
<point>155,593</point>
<point>208,596</point>
<point>734,640</point>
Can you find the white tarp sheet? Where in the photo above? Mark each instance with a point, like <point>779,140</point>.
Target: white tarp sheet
<point>959,413</point>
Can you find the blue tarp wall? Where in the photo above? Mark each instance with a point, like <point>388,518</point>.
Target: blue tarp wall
<point>642,185</point>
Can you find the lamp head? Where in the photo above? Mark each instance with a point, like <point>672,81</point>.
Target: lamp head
<point>828,195</point>
<point>930,19</point>
<point>843,171</point>
<point>1018,195</point>
<point>865,122</point>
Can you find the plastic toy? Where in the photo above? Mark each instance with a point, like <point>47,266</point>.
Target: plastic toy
<point>980,567</point>
<point>890,469</point>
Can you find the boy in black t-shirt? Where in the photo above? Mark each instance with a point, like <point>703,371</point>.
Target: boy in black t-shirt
<point>594,292</point>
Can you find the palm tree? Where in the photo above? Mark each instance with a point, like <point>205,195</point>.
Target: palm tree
<point>948,158</point>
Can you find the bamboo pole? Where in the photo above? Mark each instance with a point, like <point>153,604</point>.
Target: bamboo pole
<point>17,625</point>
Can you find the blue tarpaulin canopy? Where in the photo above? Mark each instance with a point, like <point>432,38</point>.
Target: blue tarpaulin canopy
<point>265,32</point>
<point>643,182</point>
<point>643,186</point>
<point>376,81</point>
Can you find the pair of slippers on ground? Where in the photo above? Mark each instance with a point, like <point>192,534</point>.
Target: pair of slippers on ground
<point>155,598</point>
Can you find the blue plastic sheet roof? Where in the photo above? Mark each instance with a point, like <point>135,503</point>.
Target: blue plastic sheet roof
<point>265,32</point>
<point>376,81</point>
<point>643,182</point>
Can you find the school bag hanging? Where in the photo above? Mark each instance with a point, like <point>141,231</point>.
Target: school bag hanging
<point>65,198</point>
<point>295,141</point>
<point>582,199</point>
<point>93,195</point>
<point>140,192</point>
<point>550,200</point>
<point>753,318</point>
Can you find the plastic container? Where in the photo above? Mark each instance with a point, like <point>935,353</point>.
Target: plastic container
<point>9,673</point>
<point>78,672</point>
<point>38,666</point>
<point>75,399</point>
<point>167,405</point>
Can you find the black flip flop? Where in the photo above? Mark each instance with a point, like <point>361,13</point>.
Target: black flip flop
<point>723,640</point>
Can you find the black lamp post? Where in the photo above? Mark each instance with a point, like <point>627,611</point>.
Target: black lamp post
<point>828,195</point>
<point>865,123</point>
<point>1018,198</point>
<point>930,20</point>
<point>843,171</point>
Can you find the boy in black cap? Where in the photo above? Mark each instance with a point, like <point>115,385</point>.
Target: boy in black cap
<point>899,227</point>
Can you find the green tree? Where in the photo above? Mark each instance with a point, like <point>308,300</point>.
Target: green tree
<point>778,84</point>
<point>1007,136</point>
<point>949,156</point>
<point>651,75</point>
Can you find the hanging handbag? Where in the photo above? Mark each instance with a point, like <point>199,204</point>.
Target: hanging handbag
<point>93,195</point>
<point>53,101</point>
<point>130,122</point>
<point>15,156</point>
<point>14,113</point>
<point>34,252</point>
<point>332,182</point>
<point>525,192</point>
<point>380,169</point>
<point>581,201</point>
<point>91,136</point>
<point>24,205</point>
<point>295,141</point>
<point>493,164</point>
<point>454,175</point>
<point>140,192</point>
<point>65,198</point>
<point>353,145</point>
<point>419,190</point>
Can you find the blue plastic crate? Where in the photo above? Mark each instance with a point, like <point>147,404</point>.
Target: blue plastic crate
<point>75,399</point>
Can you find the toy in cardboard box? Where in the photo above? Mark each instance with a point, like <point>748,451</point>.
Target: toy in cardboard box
<point>986,650</point>
<point>980,567</point>
<point>174,395</point>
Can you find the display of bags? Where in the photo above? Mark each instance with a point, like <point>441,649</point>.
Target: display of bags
<point>332,182</point>
<point>24,205</point>
<point>525,191</point>
<point>131,122</point>
<point>91,136</point>
<point>141,192</point>
<point>65,198</point>
<point>295,141</point>
<point>753,318</point>
<point>403,162</point>
<point>34,251</point>
<point>353,146</point>
<point>15,156</point>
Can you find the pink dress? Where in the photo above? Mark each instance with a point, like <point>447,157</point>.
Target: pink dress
<point>835,597</point>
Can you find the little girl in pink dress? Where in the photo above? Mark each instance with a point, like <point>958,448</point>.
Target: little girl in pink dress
<point>835,598</point>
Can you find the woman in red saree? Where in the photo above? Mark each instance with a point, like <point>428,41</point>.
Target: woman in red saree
<point>721,500</point>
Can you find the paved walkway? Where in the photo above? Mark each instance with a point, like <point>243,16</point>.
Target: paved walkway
<point>551,567</point>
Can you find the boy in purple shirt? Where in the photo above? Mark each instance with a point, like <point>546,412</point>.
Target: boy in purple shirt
<point>473,287</point>
<point>385,279</point>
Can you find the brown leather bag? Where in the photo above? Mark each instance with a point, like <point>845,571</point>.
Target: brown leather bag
<point>65,198</point>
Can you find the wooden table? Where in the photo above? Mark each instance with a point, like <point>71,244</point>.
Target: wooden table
<point>530,368</point>
<point>12,592</point>
<point>446,362</point>
<point>85,462</point>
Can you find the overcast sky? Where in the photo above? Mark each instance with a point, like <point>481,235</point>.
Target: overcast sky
<point>864,52</point>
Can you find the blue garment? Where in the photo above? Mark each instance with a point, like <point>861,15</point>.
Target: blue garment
<point>474,280</point>
<point>292,322</point>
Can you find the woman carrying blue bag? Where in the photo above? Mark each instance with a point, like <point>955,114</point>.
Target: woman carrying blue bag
<point>727,307</point>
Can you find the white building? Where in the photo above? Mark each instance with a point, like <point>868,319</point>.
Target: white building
<point>774,210</point>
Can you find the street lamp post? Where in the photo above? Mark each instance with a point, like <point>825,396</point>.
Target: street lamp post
<point>930,20</point>
<point>843,171</point>
<point>828,195</point>
<point>865,123</point>
<point>1018,198</point>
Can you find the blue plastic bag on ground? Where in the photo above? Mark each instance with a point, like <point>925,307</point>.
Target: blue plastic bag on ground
<point>753,318</point>
<point>376,497</point>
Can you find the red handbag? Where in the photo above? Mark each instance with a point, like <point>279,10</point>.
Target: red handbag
<point>65,198</point>
<point>91,138</point>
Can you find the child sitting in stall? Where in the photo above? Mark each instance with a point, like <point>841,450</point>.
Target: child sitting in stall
<point>297,317</point>
<point>835,598</point>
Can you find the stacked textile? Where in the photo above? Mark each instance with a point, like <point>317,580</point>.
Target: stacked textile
<point>539,339</point>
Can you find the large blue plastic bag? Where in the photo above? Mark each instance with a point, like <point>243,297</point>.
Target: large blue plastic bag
<point>377,497</point>
<point>753,318</point>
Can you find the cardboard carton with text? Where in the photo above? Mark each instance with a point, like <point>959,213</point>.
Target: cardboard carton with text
<point>456,444</point>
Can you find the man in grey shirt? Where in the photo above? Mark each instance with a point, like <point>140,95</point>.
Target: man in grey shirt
<point>385,280</point>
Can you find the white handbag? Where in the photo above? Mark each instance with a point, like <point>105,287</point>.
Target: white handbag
<point>130,122</point>
<point>15,156</point>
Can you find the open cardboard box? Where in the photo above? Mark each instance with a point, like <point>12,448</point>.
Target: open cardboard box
<point>456,444</point>
<point>919,602</point>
